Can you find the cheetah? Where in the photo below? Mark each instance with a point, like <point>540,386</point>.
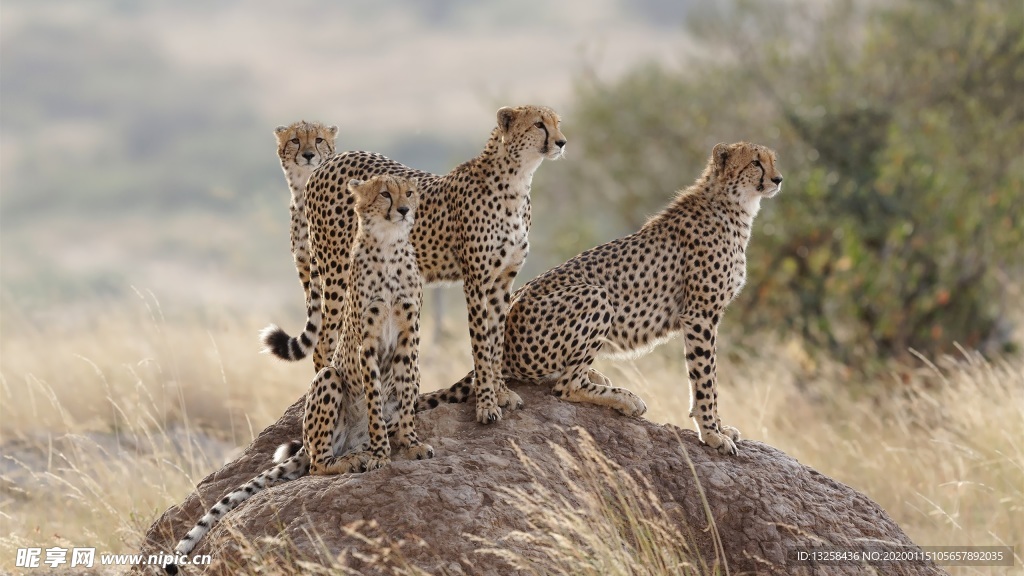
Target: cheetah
<point>302,146</point>
<point>349,407</point>
<point>473,227</point>
<point>674,276</point>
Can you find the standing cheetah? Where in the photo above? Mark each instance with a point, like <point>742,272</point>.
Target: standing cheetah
<point>473,227</point>
<point>302,146</point>
<point>676,275</point>
<point>349,407</point>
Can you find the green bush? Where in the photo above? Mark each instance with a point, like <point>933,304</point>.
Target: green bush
<point>900,132</point>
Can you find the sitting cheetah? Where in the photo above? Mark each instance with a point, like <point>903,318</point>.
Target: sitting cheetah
<point>302,146</point>
<point>347,413</point>
<point>473,226</point>
<point>676,275</point>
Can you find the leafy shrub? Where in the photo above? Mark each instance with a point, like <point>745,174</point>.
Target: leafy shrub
<point>900,132</point>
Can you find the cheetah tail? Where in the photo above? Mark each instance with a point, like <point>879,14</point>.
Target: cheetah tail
<point>277,342</point>
<point>293,467</point>
<point>287,450</point>
<point>461,391</point>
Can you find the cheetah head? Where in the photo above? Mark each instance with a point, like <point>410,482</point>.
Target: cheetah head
<point>386,199</point>
<point>746,169</point>
<point>532,130</point>
<point>305,144</point>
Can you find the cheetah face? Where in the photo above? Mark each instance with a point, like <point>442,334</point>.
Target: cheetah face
<point>386,199</point>
<point>532,130</point>
<point>305,144</point>
<point>750,168</point>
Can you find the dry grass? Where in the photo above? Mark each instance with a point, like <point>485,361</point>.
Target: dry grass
<point>940,447</point>
<point>118,415</point>
<point>611,524</point>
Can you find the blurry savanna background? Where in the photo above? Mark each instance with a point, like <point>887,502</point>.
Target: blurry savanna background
<point>144,226</point>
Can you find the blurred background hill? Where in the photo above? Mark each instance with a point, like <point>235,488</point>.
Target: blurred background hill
<point>137,137</point>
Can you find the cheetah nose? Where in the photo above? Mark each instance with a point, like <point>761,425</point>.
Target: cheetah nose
<point>777,179</point>
<point>403,210</point>
<point>308,155</point>
<point>560,143</point>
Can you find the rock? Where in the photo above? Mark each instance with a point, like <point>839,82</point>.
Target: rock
<point>506,486</point>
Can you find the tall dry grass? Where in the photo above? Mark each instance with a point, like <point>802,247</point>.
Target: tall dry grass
<point>610,524</point>
<point>107,420</point>
<point>939,446</point>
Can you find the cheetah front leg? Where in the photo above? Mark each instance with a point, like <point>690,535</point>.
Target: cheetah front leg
<point>507,398</point>
<point>487,310</point>
<point>701,336</point>
<point>406,369</point>
<point>379,448</point>
<point>561,333</point>
<point>299,237</point>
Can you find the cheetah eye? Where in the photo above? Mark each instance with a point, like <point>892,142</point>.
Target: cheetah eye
<point>539,124</point>
<point>295,140</point>
<point>386,195</point>
<point>408,193</point>
<point>757,163</point>
<point>319,140</point>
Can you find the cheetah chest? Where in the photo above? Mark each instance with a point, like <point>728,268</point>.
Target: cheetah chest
<point>391,299</point>
<point>736,275</point>
<point>512,245</point>
<point>715,282</point>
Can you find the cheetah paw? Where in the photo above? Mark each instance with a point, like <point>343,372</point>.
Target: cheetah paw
<point>729,431</point>
<point>375,462</point>
<point>353,462</point>
<point>724,441</point>
<point>632,405</point>
<point>509,400</point>
<point>487,414</point>
<point>625,401</point>
<point>418,452</point>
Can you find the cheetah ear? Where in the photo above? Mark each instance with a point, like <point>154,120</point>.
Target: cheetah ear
<point>505,117</point>
<point>360,190</point>
<point>280,133</point>
<point>333,131</point>
<point>720,153</point>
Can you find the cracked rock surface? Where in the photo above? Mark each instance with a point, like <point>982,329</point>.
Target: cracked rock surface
<point>435,513</point>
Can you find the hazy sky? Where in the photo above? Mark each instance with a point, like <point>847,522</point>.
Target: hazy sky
<point>78,78</point>
<point>382,66</point>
